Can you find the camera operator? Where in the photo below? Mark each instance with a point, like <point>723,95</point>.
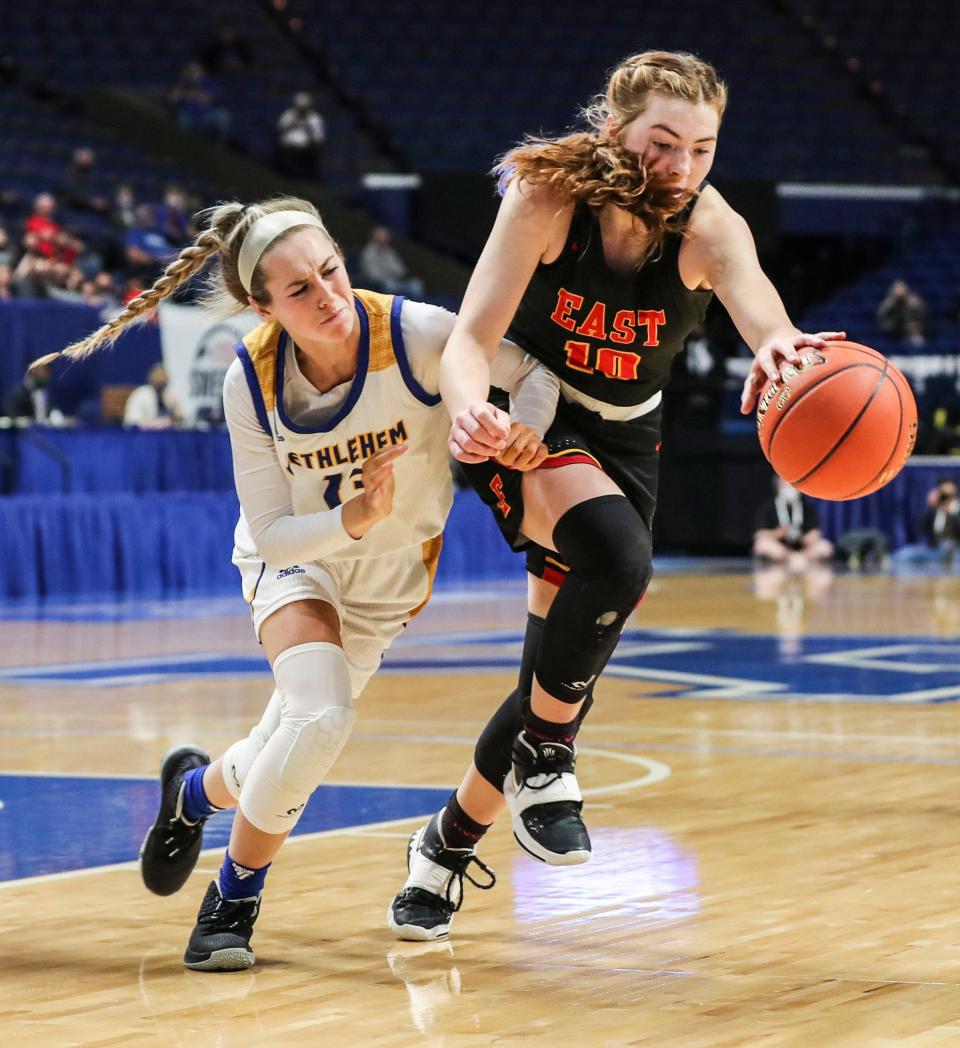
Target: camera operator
<point>941,520</point>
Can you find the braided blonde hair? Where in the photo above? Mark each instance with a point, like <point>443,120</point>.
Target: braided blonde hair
<point>228,225</point>
<point>593,167</point>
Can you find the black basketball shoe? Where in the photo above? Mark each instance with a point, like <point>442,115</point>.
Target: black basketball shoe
<point>221,940</point>
<point>171,846</point>
<point>545,802</point>
<point>434,889</point>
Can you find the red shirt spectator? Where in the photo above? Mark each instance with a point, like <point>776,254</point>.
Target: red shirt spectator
<point>42,224</point>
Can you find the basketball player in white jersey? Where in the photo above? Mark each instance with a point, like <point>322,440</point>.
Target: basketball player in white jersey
<point>341,464</point>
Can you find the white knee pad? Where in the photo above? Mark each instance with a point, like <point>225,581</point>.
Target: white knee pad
<point>316,717</point>
<point>239,758</point>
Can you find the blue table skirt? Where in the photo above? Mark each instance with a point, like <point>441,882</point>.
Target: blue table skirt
<point>85,545</point>
<point>176,544</point>
<point>59,461</point>
<point>896,509</point>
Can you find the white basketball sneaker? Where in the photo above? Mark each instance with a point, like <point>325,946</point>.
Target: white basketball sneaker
<point>433,892</point>
<point>545,802</point>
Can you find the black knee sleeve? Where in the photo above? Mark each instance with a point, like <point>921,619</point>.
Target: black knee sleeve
<point>492,755</point>
<point>608,548</point>
<point>531,646</point>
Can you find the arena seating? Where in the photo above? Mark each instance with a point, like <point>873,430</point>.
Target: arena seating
<point>906,51</point>
<point>456,108</point>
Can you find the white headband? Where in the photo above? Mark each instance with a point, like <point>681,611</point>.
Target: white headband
<point>262,234</point>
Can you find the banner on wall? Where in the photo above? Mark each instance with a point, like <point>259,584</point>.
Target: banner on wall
<point>197,350</point>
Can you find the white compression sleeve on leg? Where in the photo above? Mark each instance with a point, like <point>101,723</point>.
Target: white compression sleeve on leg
<point>239,758</point>
<point>316,716</point>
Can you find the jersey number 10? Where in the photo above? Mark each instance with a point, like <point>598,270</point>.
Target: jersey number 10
<point>614,363</point>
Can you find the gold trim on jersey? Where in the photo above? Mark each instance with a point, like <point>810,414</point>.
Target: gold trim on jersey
<point>431,558</point>
<point>378,308</point>
<point>262,344</point>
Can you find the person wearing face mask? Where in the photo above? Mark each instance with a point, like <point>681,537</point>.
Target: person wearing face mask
<point>28,398</point>
<point>301,136</point>
<point>788,529</point>
<point>341,464</point>
<point>607,248</point>
<point>152,405</point>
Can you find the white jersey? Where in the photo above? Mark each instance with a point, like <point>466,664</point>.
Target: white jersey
<point>298,454</point>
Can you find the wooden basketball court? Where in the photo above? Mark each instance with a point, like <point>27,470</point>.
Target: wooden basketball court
<point>771,768</point>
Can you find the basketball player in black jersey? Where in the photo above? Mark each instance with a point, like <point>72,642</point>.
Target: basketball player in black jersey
<point>607,249</point>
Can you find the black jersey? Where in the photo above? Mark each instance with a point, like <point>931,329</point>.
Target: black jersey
<point>609,335</point>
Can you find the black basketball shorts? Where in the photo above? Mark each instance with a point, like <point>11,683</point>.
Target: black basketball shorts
<point>628,452</point>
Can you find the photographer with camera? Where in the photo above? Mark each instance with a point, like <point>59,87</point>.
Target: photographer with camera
<point>941,520</point>
<point>939,528</point>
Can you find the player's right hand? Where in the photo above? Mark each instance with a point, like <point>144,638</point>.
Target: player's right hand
<point>524,451</point>
<point>478,433</point>
<point>375,501</point>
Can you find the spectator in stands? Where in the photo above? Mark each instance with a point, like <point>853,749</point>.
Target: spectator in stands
<point>66,282</point>
<point>152,405</point>
<point>134,287</point>
<point>32,271</point>
<point>6,281</point>
<point>173,217</point>
<point>301,135</point>
<point>28,398</point>
<point>227,52</point>
<point>941,519</point>
<point>67,248</point>
<point>914,334</point>
<point>101,292</point>
<point>80,187</point>
<point>694,397</point>
<point>8,254</point>
<point>195,103</point>
<point>382,269</point>
<point>939,527</point>
<point>146,247</point>
<point>788,530</point>
<point>43,226</point>
<point>902,314</point>
<point>124,212</point>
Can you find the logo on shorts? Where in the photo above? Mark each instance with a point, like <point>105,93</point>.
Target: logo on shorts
<point>293,570</point>
<point>581,685</point>
<point>496,486</point>
<point>294,811</point>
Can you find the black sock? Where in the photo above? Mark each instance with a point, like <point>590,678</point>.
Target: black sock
<point>549,731</point>
<point>457,828</point>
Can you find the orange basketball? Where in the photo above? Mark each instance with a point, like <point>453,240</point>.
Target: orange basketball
<point>841,424</point>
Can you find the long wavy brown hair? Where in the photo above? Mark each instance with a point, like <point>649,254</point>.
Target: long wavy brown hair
<point>593,167</point>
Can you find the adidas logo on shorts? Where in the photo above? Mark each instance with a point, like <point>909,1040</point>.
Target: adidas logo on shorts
<point>293,570</point>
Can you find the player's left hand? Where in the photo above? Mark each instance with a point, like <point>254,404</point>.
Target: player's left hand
<point>772,356</point>
<point>524,450</point>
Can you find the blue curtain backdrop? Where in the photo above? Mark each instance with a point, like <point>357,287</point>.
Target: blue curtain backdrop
<point>123,545</point>
<point>94,460</point>
<point>120,513</point>
<point>177,544</point>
